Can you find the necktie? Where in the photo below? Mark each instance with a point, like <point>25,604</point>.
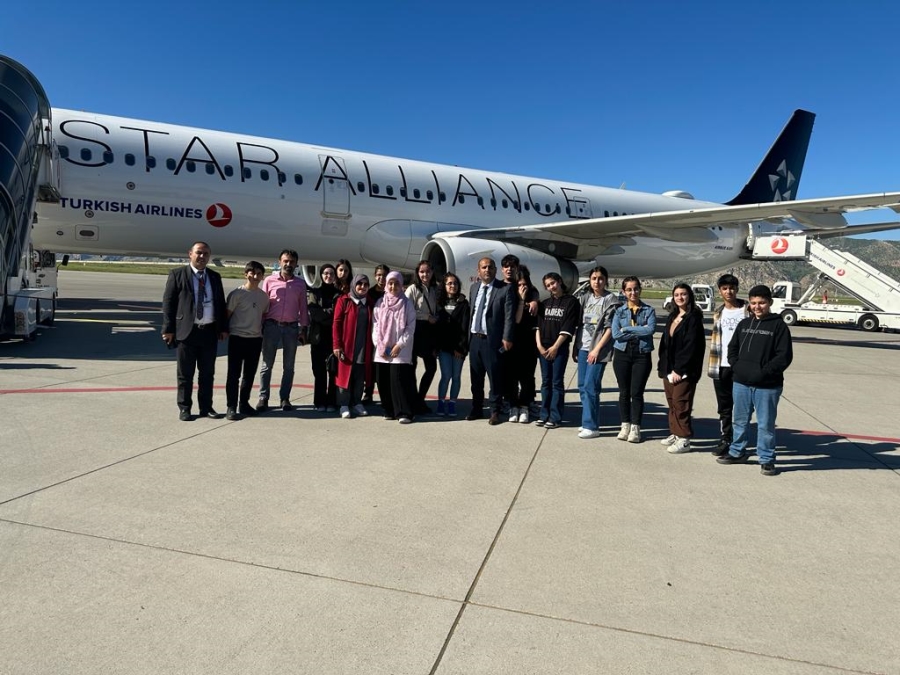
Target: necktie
<point>201,295</point>
<point>479,310</point>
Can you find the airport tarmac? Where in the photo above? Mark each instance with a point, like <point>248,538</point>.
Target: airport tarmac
<point>131,542</point>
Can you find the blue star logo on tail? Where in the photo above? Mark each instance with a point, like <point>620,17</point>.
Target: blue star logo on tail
<point>782,183</point>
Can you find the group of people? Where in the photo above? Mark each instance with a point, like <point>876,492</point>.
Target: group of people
<point>362,334</point>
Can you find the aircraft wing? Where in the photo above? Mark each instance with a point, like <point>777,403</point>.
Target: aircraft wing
<point>814,216</point>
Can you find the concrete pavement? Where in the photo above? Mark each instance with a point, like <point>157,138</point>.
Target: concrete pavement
<point>131,542</point>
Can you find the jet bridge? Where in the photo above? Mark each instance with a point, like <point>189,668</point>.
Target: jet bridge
<point>28,172</point>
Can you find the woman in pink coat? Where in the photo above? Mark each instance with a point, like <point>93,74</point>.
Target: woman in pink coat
<point>393,329</point>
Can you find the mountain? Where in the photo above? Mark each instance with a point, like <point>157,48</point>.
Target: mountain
<point>883,255</point>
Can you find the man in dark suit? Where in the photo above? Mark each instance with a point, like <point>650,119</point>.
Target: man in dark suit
<point>493,318</point>
<point>194,320</point>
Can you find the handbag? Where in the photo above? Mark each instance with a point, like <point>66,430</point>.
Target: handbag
<point>331,364</point>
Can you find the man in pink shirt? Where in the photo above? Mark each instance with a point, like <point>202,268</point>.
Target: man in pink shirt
<point>284,325</point>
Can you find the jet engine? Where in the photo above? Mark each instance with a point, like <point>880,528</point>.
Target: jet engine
<point>461,255</point>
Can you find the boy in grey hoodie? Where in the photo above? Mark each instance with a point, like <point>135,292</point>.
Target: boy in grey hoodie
<point>759,353</point>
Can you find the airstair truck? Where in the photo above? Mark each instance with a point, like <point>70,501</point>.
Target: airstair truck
<point>877,293</point>
<point>29,172</point>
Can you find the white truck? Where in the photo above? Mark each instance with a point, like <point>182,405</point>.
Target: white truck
<point>704,296</point>
<point>877,293</point>
<point>28,173</point>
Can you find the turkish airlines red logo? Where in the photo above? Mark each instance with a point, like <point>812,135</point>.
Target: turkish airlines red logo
<point>779,244</point>
<point>841,273</point>
<point>218,215</point>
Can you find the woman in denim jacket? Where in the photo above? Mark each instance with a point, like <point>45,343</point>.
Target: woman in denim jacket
<point>633,326</point>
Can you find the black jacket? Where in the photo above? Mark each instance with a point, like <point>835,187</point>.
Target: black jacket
<point>453,328</point>
<point>760,351</point>
<point>178,302</point>
<point>682,351</point>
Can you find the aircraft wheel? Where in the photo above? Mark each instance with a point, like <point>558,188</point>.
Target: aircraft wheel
<point>790,317</point>
<point>868,322</point>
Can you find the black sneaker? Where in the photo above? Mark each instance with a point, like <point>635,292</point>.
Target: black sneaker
<point>768,469</point>
<point>231,415</point>
<point>722,448</point>
<point>731,459</point>
<point>286,405</point>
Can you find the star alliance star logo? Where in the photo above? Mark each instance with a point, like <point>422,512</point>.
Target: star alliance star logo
<point>784,179</point>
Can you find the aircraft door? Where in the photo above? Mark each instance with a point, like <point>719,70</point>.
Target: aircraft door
<point>335,186</point>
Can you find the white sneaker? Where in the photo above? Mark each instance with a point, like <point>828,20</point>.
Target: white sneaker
<point>624,431</point>
<point>345,412</point>
<point>360,410</point>
<point>669,440</point>
<point>588,433</point>
<point>634,436</point>
<point>513,414</point>
<point>681,445</point>
<point>523,416</point>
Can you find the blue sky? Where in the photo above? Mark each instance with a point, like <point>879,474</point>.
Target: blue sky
<point>655,95</point>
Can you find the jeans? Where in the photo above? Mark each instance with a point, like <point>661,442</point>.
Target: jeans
<point>553,386</point>
<point>275,336</point>
<point>765,403</point>
<point>590,376</point>
<point>632,370</point>
<point>451,375</point>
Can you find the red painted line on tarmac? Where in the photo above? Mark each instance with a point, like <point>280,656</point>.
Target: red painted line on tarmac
<point>852,437</point>
<point>107,390</point>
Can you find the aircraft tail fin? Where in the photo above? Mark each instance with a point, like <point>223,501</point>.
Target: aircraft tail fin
<point>778,175</point>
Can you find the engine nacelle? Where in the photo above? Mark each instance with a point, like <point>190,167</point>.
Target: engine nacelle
<point>310,274</point>
<point>461,255</point>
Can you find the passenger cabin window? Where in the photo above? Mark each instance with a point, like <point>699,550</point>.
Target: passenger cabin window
<point>462,199</point>
<point>247,173</point>
<point>442,196</point>
<point>480,201</point>
<point>171,164</point>
<point>108,157</point>
<point>298,179</point>
<point>86,154</point>
<point>151,162</point>
<point>229,170</point>
<point>264,174</point>
<point>63,151</point>
<point>191,166</point>
<point>360,187</point>
<point>129,159</point>
<point>390,190</point>
<point>430,195</point>
<point>375,189</point>
<point>282,178</point>
<point>210,169</point>
<point>416,193</point>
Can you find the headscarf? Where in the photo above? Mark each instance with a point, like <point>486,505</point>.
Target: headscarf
<point>392,318</point>
<point>353,294</point>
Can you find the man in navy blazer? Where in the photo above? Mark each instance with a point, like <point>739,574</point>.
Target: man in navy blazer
<point>493,317</point>
<point>194,320</point>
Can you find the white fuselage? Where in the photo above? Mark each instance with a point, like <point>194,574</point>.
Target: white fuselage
<point>142,188</point>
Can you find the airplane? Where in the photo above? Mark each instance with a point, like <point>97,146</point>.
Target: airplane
<point>113,185</point>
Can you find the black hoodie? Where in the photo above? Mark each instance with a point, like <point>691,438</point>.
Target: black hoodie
<point>760,351</point>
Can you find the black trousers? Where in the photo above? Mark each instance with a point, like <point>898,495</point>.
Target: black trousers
<point>324,390</point>
<point>197,354</point>
<point>485,361</point>
<point>519,364</point>
<point>424,348</point>
<point>725,403</point>
<point>243,360</point>
<point>397,389</point>
<point>354,391</point>
<point>632,370</point>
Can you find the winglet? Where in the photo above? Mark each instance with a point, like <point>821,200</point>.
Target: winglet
<point>778,175</point>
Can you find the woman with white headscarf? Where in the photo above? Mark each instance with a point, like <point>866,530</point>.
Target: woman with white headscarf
<point>393,329</point>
